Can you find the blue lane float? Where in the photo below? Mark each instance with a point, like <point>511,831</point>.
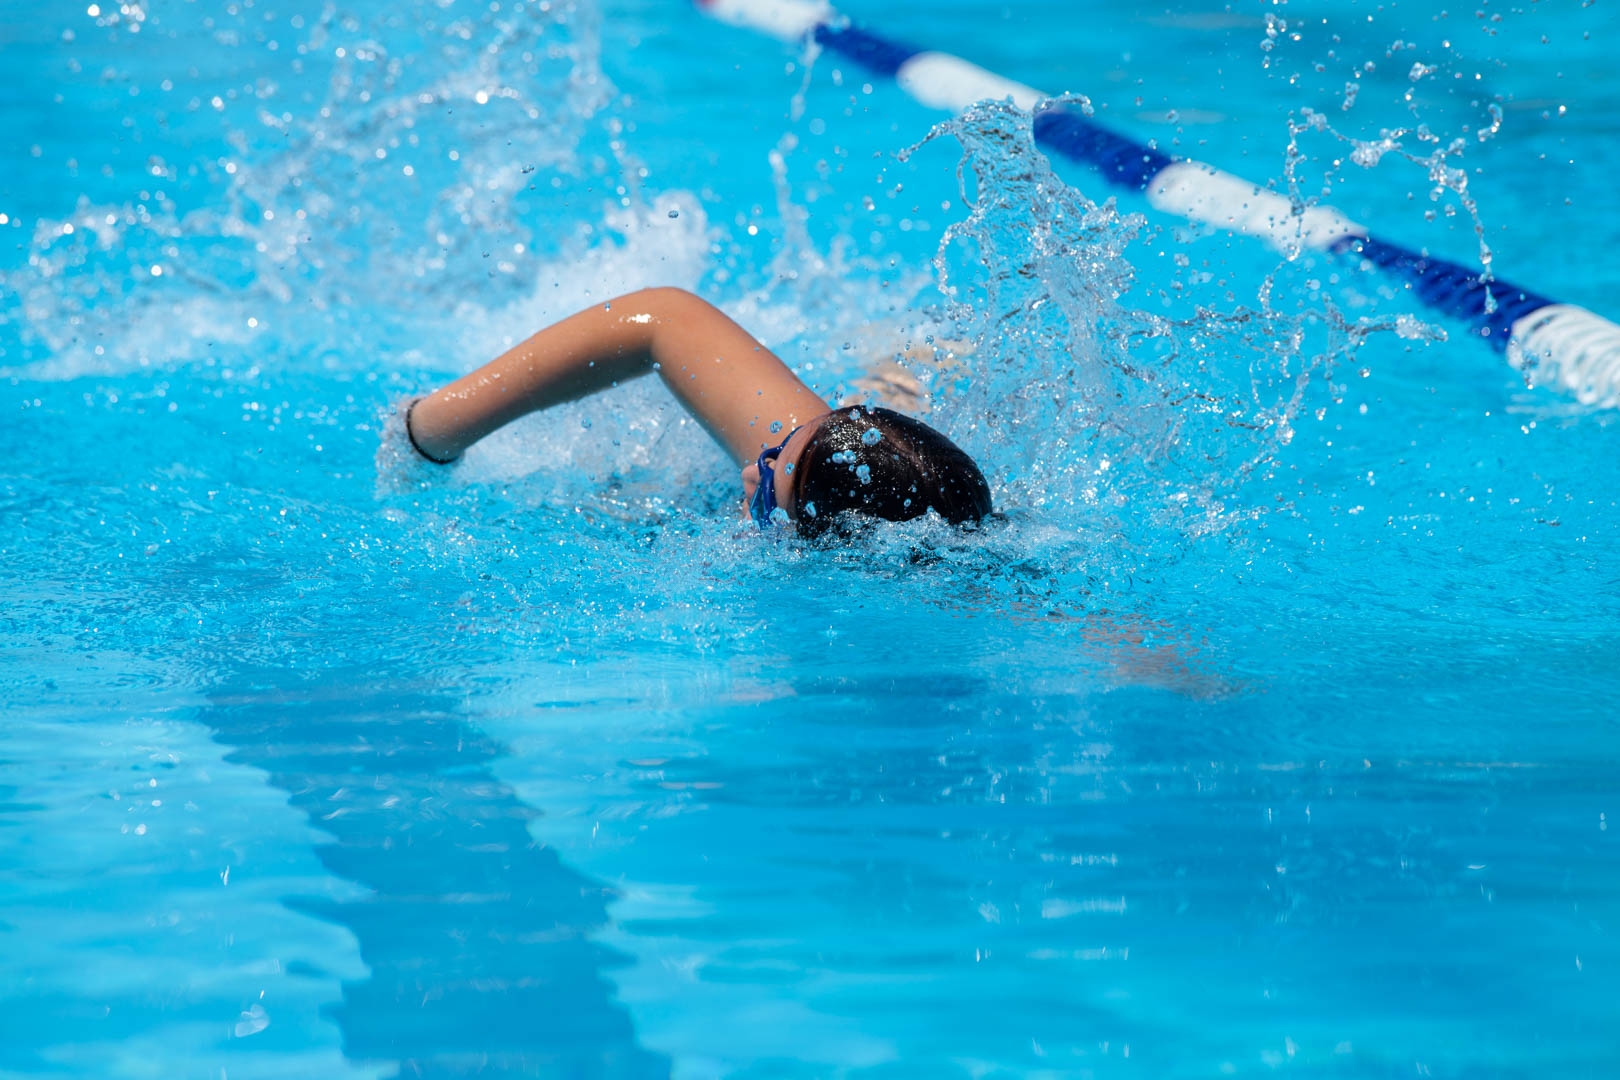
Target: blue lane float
<point>1550,341</point>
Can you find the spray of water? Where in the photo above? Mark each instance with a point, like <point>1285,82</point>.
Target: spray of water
<point>415,185</point>
<point>1113,428</point>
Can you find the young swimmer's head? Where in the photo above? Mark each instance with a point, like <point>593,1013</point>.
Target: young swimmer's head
<point>875,463</point>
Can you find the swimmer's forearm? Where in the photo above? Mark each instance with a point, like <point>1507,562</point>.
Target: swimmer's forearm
<point>725,378</point>
<point>583,353</point>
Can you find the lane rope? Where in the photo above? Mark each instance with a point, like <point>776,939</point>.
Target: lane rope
<point>1556,342</point>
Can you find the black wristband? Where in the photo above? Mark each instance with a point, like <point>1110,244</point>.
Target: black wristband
<point>417,446</point>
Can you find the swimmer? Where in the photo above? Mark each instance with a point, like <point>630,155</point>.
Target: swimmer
<point>805,465</point>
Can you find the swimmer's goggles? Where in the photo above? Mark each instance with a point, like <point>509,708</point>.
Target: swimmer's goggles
<point>762,507</point>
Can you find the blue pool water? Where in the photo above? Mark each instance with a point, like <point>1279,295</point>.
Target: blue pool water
<point>1271,731</point>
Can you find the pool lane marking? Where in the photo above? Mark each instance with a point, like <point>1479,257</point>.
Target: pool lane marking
<point>1579,349</point>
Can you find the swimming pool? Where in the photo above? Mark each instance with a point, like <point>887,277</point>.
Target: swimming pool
<point>1271,730</point>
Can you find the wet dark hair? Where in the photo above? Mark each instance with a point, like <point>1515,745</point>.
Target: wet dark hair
<point>876,463</point>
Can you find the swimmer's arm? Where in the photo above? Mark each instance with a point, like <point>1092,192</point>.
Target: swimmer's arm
<point>729,382</point>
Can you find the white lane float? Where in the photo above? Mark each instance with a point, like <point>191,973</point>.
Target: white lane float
<point>1556,343</point>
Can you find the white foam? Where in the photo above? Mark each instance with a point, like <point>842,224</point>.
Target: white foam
<point>622,430</point>
<point>644,246</point>
<point>167,335</point>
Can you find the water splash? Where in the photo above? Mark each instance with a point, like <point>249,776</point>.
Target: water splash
<point>1438,165</point>
<point>814,300</point>
<point>419,180</point>
<point>1124,430</point>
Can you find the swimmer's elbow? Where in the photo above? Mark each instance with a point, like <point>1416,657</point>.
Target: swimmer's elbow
<point>666,303</point>
<point>664,294</point>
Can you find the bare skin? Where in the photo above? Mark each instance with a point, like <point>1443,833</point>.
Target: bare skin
<point>740,392</point>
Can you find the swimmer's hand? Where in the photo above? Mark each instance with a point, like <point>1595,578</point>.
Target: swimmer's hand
<point>728,381</point>
<point>411,437</point>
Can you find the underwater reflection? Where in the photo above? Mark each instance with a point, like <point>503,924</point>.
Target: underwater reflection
<point>477,938</point>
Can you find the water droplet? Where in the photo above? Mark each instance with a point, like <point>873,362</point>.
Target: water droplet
<point>776,426</point>
<point>251,1022</point>
<point>674,213</point>
<point>871,437</point>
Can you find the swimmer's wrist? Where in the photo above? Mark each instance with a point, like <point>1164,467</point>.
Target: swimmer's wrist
<point>410,437</point>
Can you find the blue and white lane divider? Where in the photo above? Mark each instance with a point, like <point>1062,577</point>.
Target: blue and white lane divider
<point>1561,343</point>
